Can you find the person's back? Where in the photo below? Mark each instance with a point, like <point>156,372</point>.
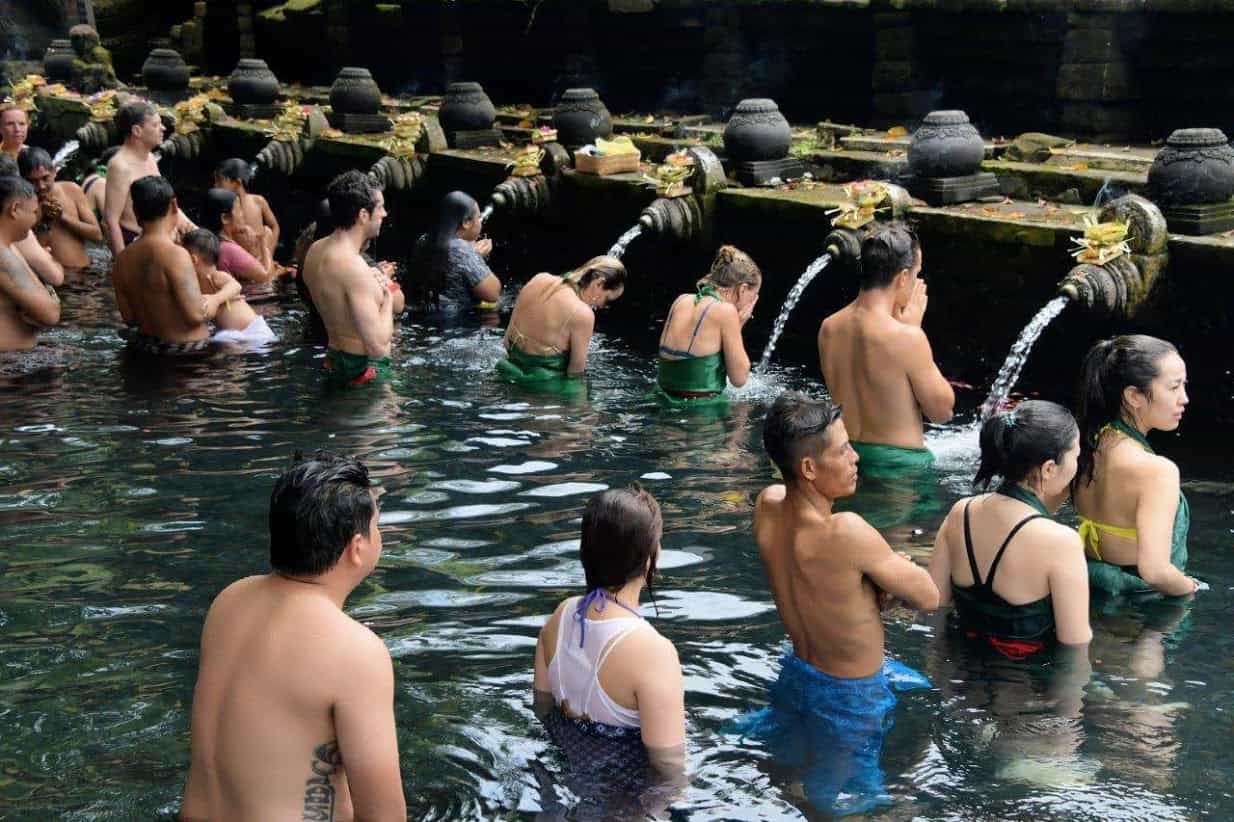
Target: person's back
<point>701,343</point>
<point>289,729</point>
<point>875,359</point>
<point>1018,578</point>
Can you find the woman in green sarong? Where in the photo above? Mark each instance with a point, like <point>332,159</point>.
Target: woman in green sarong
<point>553,319</point>
<point>701,343</point>
<point>1133,515</point>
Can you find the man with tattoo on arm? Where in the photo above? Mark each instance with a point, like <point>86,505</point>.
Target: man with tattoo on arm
<point>155,282</point>
<point>25,303</point>
<point>293,714</point>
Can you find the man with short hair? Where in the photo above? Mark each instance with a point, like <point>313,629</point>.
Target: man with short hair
<point>293,713</point>
<point>356,301</point>
<point>66,221</point>
<point>14,128</point>
<point>141,131</point>
<point>877,364</point>
<point>156,285</point>
<point>829,573</point>
<point>26,305</point>
<point>36,257</point>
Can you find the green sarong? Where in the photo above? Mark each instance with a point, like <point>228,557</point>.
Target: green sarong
<point>354,369</point>
<point>903,483</point>
<point>691,382</point>
<point>518,366</point>
<point>1113,579</point>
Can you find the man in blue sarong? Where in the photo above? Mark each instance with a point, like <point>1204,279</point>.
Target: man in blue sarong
<point>830,573</point>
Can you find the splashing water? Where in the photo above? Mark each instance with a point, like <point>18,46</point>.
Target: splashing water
<point>790,302</point>
<point>486,213</point>
<point>619,247</point>
<point>1014,364</point>
<point>65,154</point>
<point>253,169</point>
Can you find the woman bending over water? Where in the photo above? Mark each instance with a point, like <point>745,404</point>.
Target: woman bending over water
<point>701,343</point>
<point>1133,515</point>
<point>1017,577</point>
<point>553,319</point>
<point>604,666</point>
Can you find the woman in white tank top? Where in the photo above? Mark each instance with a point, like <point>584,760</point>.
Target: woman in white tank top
<point>597,660</point>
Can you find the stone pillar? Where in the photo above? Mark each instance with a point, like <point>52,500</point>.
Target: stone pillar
<point>245,40</point>
<point>902,85</point>
<point>338,32</point>
<point>1097,86</point>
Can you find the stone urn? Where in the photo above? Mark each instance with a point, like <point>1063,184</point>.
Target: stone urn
<point>58,61</point>
<point>1195,167</point>
<point>165,70</point>
<point>581,117</point>
<point>253,83</point>
<point>355,92</point>
<point>946,145</point>
<point>466,107</point>
<point>757,132</point>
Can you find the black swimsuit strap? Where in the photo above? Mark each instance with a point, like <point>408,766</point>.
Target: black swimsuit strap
<point>989,580</point>
<point>972,558</point>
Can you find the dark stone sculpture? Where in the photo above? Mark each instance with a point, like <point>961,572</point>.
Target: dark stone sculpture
<point>165,70</point>
<point>92,70</point>
<point>466,107</point>
<point>254,90</point>
<point>58,61</point>
<point>1192,178</point>
<point>757,131</point>
<point>355,102</point>
<point>581,117</point>
<point>946,145</point>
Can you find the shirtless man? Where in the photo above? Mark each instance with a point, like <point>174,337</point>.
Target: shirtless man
<point>26,305</point>
<point>142,131</point>
<point>66,221</point>
<point>14,127</point>
<point>356,301</point>
<point>877,364</point>
<point>156,285</point>
<point>293,713</point>
<point>829,573</point>
<point>38,258</point>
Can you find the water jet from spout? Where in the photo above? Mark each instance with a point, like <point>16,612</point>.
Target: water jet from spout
<point>790,302</point>
<point>65,154</point>
<point>1023,346</point>
<point>619,248</point>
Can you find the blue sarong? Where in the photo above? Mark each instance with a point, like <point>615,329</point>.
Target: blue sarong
<point>833,729</point>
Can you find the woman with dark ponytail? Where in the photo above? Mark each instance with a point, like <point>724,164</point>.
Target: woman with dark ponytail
<point>608,671</point>
<point>449,271</point>
<point>1017,600</point>
<point>1133,515</point>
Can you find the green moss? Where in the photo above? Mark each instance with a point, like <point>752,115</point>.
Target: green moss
<point>278,14</point>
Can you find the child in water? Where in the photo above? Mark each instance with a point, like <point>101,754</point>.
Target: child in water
<point>235,321</point>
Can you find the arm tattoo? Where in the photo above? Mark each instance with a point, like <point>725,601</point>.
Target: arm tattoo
<point>14,270</point>
<point>319,790</point>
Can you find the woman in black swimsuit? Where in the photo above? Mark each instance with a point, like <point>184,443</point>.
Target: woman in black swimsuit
<point>1018,578</point>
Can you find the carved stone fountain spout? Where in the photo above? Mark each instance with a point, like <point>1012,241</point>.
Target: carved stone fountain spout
<point>1120,287</point>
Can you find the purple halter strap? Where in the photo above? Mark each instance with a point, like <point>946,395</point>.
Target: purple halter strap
<point>597,597</point>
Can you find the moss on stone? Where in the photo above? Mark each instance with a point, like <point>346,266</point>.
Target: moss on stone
<point>278,14</point>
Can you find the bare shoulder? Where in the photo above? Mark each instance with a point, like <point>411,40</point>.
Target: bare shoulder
<point>170,254</point>
<point>771,496</point>
<point>584,316</point>
<point>855,531</point>
<point>70,188</point>
<point>233,595</point>
<point>724,312</point>
<point>361,643</point>
<point>1063,536</point>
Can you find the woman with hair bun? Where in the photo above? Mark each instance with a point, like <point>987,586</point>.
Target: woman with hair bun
<point>1133,516</point>
<point>607,670</point>
<point>701,343</point>
<point>553,320</point>
<point>1017,597</point>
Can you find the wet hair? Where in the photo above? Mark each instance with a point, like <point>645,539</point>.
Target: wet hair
<point>621,529</point>
<point>890,249</point>
<point>796,427</point>
<point>1015,443</point>
<point>431,257</point>
<point>152,198</point>
<point>33,159</point>
<point>350,193</point>
<point>1110,366</point>
<point>316,507</point>
<point>608,270</point>
<point>107,154</point>
<point>133,114</point>
<point>455,209</point>
<point>234,169</point>
<point>13,188</point>
<point>323,223</point>
<point>8,166</point>
<point>217,204</point>
<point>204,243</point>
<point>732,267</point>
